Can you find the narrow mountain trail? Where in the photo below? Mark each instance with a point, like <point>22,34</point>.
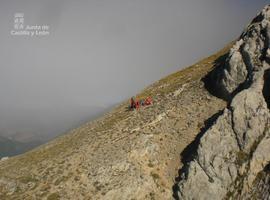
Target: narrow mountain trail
<point>123,155</point>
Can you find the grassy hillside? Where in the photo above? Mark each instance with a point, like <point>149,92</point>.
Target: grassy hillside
<point>124,154</point>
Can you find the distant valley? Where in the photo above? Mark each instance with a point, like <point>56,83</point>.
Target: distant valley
<point>11,147</point>
<point>14,141</point>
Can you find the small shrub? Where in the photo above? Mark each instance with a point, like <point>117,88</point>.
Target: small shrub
<point>53,196</point>
<point>155,176</point>
<point>27,179</point>
<point>150,164</point>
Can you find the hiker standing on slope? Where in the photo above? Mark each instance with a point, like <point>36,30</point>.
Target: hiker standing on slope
<point>132,103</point>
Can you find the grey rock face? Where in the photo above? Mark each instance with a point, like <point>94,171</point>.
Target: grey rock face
<point>247,55</point>
<point>236,148</point>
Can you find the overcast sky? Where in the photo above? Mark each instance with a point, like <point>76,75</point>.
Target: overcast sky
<point>100,52</point>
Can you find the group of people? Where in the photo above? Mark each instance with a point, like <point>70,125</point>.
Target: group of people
<point>136,103</point>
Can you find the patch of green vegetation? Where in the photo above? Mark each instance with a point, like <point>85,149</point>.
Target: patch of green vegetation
<point>27,179</point>
<point>98,186</point>
<point>53,196</point>
<point>152,195</point>
<point>229,195</point>
<point>3,196</point>
<point>241,157</point>
<point>76,178</point>
<point>59,171</point>
<point>150,164</point>
<point>58,181</point>
<point>155,176</point>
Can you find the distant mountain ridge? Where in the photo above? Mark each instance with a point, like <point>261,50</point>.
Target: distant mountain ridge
<point>14,142</point>
<point>9,147</point>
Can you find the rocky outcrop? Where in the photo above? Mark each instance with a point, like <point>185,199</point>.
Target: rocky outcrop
<point>245,57</point>
<point>233,151</point>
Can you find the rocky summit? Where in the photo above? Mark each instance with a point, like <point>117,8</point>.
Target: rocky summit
<point>206,136</point>
<point>234,153</point>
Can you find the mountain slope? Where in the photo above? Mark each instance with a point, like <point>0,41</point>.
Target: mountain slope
<point>215,114</point>
<point>123,155</point>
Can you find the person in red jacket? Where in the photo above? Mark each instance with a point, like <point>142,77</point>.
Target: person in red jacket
<point>137,105</point>
<point>132,103</point>
<point>148,101</point>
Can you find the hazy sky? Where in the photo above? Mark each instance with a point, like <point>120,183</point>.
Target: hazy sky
<point>100,52</point>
